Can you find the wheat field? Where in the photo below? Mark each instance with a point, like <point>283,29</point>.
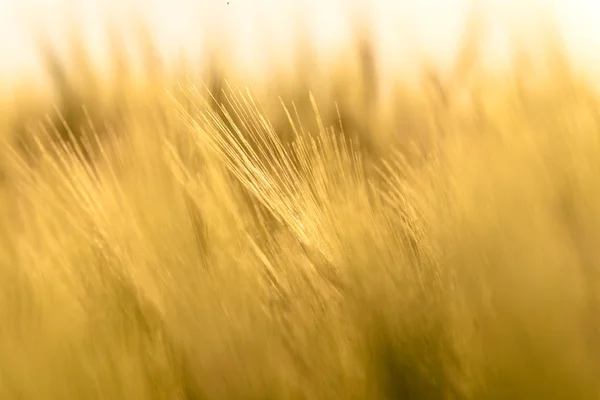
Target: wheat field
<point>190,236</point>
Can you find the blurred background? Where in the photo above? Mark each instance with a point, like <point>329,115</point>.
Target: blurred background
<point>263,34</point>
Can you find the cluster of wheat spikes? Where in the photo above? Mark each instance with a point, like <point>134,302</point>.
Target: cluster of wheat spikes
<point>211,243</point>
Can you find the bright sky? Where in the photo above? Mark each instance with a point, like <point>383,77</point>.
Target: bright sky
<point>250,27</point>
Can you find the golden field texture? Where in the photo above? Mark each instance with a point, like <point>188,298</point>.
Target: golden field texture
<point>309,238</point>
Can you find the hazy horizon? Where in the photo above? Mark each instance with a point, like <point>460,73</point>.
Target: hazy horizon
<point>251,27</point>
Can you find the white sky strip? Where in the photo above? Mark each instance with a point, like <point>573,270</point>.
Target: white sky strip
<point>253,28</point>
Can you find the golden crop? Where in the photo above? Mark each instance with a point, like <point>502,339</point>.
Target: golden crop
<point>191,238</point>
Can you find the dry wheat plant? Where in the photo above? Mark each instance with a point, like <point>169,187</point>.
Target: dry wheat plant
<point>198,238</point>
